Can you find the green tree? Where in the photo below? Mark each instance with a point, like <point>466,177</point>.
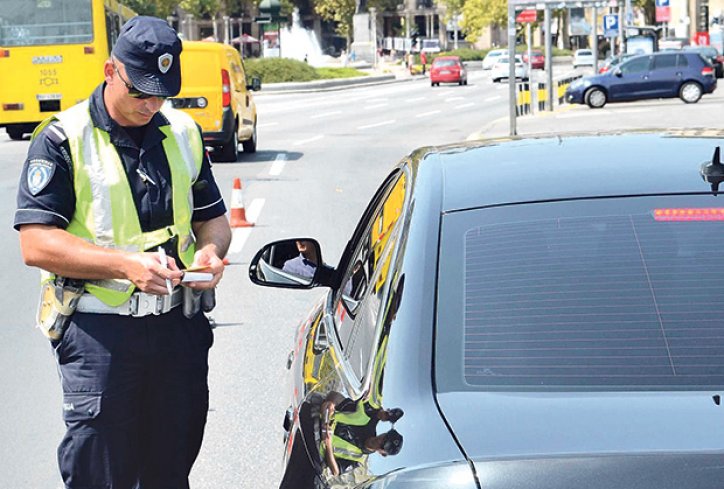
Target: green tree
<point>649,9</point>
<point>479,14</point>
<point>200,8</point>
<point>156,8</point>
<point>339,11</point>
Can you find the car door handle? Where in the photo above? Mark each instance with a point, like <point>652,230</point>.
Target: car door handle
<point>645,77</point>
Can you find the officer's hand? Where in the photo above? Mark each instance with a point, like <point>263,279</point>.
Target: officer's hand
<point>207,259</point>
<point>149,275</point>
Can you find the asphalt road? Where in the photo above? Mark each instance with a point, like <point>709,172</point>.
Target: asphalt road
<point>321,156</point>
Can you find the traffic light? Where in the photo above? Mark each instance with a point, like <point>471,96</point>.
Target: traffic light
<point>703,17</point>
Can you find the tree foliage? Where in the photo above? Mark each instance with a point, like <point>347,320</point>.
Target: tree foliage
<point>155,8</point>
<point>339,11</point>
<point>479,14</point>
<point>200,8</point>
<point>452,8</point>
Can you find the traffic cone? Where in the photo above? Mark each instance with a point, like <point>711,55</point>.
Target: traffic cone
<point>238,214</point>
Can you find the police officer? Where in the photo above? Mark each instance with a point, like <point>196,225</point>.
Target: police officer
<point>117,197</point>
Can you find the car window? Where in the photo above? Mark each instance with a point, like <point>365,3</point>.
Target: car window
<point>365,282</point>
<point>664,61</point>
<point>584,53</point>
<point>636,65</point>
<point>444,62</point>
<point>681,60</point>
<point>612,294</point>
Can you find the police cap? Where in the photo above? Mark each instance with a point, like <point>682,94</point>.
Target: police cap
<point>393,443</point>
<point>149,48</point>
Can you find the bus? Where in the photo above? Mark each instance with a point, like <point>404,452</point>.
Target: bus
<point>51,56</point>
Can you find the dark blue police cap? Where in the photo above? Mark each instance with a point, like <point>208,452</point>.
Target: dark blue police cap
<point>149,48</point>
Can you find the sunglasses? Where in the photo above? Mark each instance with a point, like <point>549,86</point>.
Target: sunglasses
<point>133,91</point>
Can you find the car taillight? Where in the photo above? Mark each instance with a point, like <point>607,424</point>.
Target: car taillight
<point>707,71</point>
<point>225,88</point>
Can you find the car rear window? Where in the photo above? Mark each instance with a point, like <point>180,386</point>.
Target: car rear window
<point>583,52</point>
<point>603,295</point>
<point>444,62</point>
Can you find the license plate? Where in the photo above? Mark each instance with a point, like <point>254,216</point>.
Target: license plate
<point>49,96</point>
<point>445,72</point>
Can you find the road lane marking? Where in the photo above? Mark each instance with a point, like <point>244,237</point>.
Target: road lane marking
<point>240,235</point>
<point>416,99</point>
<point>377,124</point>
<point>376,106</point>
<point>464,106</point>
<point>425,114</point>
<point>490,99</point>
<point>303,141</point>
<point>452,99</point>
<point>267,124</point>
<point>278,165</point>
<point>326,114</point>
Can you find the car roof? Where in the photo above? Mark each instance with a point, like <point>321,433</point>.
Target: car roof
<point>545,168</point>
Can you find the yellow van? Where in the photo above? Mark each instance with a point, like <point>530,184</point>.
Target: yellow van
<point>214,91</point>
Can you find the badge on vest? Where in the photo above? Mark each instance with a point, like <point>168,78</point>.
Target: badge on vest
<point>39,174</point>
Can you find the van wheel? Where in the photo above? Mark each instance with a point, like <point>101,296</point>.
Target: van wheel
<point>690,92</point>
<point>250,144</point>
<point>230,151</point>
<point>15,133</point>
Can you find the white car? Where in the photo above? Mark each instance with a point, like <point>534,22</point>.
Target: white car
<point>501,69</point>
<point>582,57</point>
<point>492,57</point>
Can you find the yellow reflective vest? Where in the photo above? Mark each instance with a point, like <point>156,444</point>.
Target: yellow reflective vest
<point>105,212</point>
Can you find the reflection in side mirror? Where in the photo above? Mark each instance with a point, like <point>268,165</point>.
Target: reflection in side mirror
<point>290,263</point>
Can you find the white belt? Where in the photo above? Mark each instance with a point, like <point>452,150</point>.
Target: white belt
<point>140,304</point>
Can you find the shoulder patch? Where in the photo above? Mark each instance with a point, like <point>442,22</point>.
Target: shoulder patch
<point>39,174</point>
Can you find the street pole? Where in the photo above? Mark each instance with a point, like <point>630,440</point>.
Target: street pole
<point>620,27</point>
<point>595,40</point>
<point>511,68</point>
<point>549,59</point>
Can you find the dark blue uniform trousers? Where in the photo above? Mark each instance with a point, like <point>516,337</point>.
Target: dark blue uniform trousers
<point>135,399</point>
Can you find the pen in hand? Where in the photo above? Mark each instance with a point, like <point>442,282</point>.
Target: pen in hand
<point>164,262</point>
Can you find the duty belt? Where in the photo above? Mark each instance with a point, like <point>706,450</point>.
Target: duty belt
<point>140,304</point>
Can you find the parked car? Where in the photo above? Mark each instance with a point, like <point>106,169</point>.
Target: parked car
<point>537,59</point>
<point>710,53</point>
<point>492,56</point>
<point>217,94</point>
<point>659,75</point>
<point>501,69</point>
<point>614,61</point>
<point>448,69</point>
<point>529,314</point>
<point>582,57</point>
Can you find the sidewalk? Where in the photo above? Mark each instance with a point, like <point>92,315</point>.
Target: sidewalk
<point>665,114</point>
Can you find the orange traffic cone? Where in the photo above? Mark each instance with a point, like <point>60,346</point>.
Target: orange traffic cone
<point>238,214</point>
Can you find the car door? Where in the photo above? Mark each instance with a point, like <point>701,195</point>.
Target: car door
<point>343,339</point>
<point>631,81</point>
<point>665,76</point>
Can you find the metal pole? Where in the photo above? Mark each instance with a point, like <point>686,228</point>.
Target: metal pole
<point>529,40</point>
<point>511,68</point>
<point>549,60</point>
<point>595,40</point>
<point>227,29</point>
<point>620,28</point>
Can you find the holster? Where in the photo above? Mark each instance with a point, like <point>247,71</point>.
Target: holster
<point>197,300</point>
<point>58,301</point>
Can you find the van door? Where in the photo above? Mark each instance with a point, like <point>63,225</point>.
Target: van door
<point>242,97</point>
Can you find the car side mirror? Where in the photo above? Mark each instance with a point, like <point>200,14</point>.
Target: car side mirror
<point>617,72</point>
<point>255,84</point>
<point>291,264</point>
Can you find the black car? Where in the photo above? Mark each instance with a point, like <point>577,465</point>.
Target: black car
<point>540,313</point>
<point>711,54</point>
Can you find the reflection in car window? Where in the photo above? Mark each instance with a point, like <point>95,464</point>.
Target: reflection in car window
<point>682,61</point>
<point>636,65</point>
<point>664,61</point>
<point>364,285</point>
<point>444,62</point>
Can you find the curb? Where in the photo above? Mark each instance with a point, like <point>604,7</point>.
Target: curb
<point>328,85</point>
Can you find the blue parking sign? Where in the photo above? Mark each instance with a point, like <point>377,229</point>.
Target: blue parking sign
<point>610,25</point>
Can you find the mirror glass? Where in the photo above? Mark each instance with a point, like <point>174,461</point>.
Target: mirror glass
<point>288,263</point>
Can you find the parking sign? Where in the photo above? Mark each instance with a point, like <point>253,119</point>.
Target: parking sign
<point>610,25</point>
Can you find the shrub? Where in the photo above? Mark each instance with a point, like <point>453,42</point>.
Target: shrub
<point>339,73</point>
<point>275,70</point>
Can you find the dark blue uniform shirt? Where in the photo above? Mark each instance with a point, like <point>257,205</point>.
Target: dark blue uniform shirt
<point>48,197</point>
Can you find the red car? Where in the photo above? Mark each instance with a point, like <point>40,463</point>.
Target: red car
<point>448,69</point>
<point>537,60</point>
